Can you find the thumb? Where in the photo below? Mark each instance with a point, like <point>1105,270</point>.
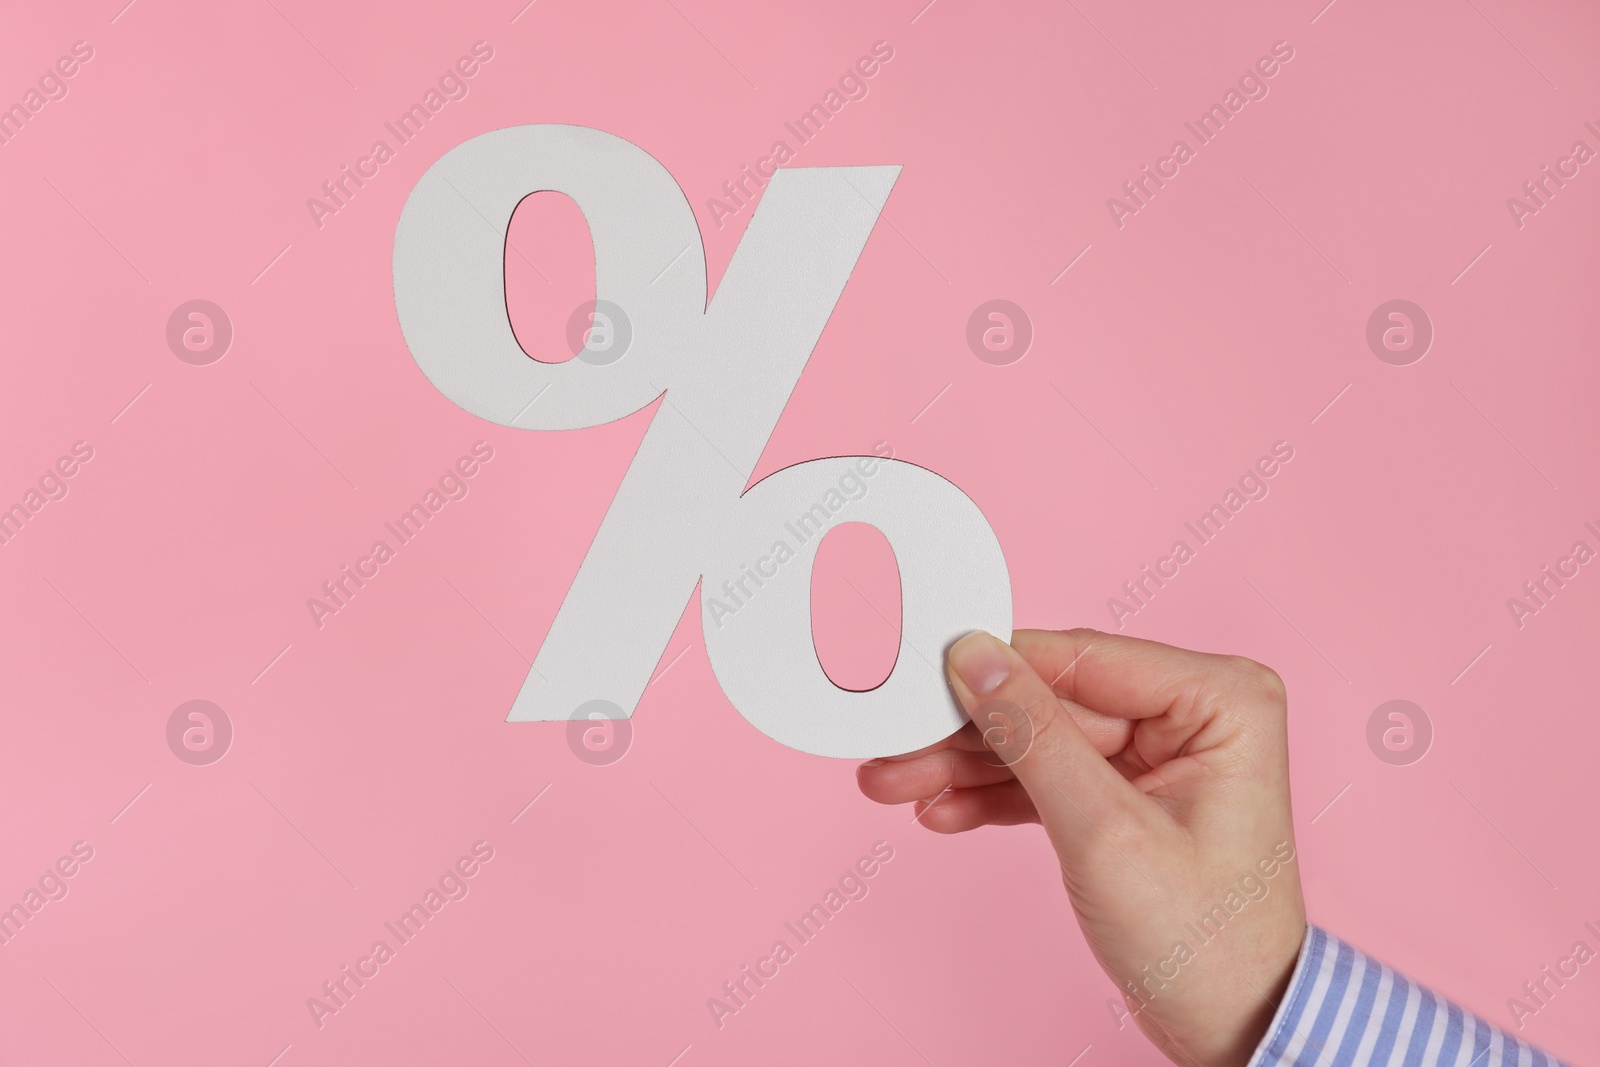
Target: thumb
<point>1074,789</point>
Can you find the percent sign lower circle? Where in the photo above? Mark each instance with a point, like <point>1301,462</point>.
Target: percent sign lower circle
<point>945,568</point>
<point>723,372</point>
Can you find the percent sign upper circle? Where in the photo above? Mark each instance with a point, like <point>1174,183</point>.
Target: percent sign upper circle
<point>598,331</point>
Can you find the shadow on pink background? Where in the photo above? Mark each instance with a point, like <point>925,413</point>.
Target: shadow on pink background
<point>369,754</point>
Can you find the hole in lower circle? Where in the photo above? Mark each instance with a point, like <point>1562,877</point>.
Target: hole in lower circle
<point>855,606</point>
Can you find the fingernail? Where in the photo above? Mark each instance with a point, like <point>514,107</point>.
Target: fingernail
<point>873,763</point>
<point>980,661</point>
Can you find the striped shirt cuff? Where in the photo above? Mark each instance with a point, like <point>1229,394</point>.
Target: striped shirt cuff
<point>1343,1008</point>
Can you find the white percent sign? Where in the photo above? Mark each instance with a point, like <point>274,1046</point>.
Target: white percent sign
<point>682,511</point>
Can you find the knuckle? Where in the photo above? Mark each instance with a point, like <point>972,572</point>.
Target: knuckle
<point>1257,678</point>
<point>1034,726</point>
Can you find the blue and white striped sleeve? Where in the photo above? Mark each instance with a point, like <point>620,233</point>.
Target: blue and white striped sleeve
<point>1344,1008</point>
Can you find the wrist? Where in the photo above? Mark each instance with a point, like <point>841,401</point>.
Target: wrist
<point>1224,1017</point>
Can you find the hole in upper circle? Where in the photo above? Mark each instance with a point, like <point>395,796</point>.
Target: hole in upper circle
<point>549,274</point>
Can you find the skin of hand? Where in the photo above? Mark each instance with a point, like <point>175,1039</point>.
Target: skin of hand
<point>1161,776</point>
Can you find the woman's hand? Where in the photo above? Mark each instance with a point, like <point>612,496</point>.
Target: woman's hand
<point>1162,778</point>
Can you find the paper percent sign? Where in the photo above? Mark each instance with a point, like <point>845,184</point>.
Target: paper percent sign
<point>727,369</point>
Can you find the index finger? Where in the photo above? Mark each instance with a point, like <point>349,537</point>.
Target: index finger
<point>1118,675</point>
<point>966,739</point>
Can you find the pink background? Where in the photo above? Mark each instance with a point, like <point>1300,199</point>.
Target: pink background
<point>370,754</point>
